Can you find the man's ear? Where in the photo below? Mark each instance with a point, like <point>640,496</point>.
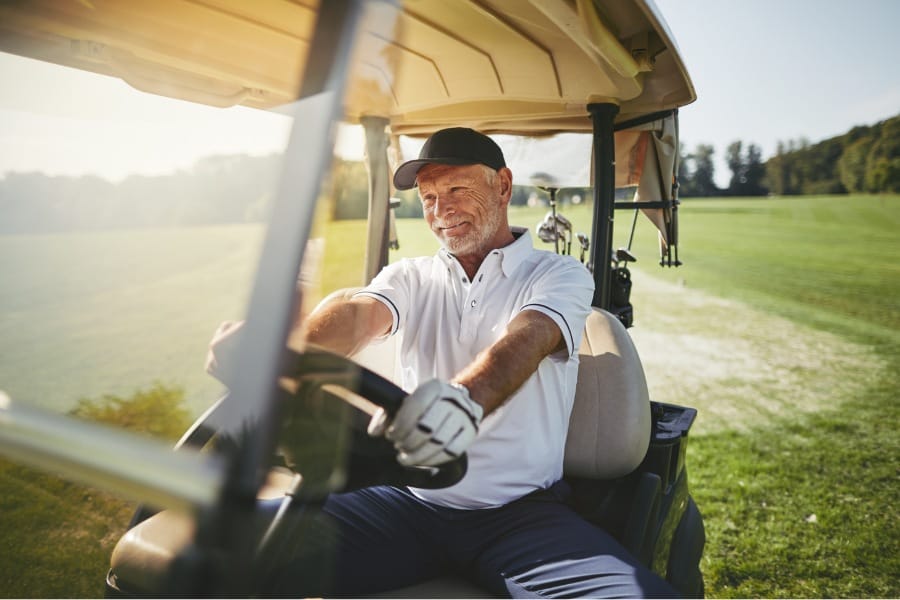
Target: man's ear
<point>504,181</point>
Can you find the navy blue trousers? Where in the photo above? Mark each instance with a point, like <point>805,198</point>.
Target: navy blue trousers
<point>384,538</point>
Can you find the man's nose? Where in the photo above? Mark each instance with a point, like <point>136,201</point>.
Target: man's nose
<point>444,205</point>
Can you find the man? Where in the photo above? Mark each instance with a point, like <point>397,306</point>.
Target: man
<point>490,330</point>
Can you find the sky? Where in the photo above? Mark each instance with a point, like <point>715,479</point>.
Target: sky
<point>103,127</point>
<point>770,70</point>
<point>764,71</point>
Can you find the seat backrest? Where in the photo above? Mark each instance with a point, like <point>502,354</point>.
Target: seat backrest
<point>609,430</point>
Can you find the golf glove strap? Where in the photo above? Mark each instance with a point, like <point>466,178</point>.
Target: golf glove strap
<point>435,424</point>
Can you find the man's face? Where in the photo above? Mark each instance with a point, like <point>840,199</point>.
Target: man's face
<point>465,206</point>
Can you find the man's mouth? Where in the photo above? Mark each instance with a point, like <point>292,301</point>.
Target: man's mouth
<point>450,228</point>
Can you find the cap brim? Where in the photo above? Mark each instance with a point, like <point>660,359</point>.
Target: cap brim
<point>405,175</point>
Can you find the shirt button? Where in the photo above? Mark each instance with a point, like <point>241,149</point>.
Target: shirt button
<point>474,302</point>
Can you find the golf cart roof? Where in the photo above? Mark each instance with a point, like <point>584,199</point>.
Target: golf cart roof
<point>501,66</point>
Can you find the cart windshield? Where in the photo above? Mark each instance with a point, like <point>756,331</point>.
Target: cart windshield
<point>130,226</point>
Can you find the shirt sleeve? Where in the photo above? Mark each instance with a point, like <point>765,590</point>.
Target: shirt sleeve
<point>391,288</point>
<point>564,294</point>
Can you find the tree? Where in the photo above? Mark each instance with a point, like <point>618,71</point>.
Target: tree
<point>883,161</point>
<point>777,173</point>
<point>685,182</point>
<point>852,165</point>
<point>704,171</point>
<point>350,192</point>
<point>735,162</point>
<point>217,189</point>
<point>747,170</point>
<point>696,171</point>
<point>755,172</point>
<point>865,159</point>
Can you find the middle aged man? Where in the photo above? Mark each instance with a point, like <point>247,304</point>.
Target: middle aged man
<point>489,334</point>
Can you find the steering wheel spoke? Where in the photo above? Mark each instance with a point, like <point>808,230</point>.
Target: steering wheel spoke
<point>370,460</point>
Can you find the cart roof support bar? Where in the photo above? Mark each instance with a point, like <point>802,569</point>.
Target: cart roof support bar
<point>379,194</point>
<point>604,169</point>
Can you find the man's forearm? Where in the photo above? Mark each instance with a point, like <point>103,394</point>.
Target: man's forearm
<point>346,326</point>
<point>500,370</point>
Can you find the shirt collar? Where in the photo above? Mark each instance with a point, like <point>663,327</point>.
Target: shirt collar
<point>510,256</point>
<point>514,254</point>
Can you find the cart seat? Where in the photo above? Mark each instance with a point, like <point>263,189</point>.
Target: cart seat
<point>609,430</point>
<point>141,559</point>
<point>609,433</point>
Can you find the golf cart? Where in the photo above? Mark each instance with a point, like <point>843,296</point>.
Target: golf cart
<point>553,78</point>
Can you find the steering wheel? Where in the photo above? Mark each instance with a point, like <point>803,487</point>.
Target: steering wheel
<point>371,460</point>
<point>316,377</point>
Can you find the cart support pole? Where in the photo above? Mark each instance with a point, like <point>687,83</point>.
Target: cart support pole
<point>379,195</point>
<point>604,168</point>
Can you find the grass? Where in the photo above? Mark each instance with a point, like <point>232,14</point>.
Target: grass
<point>781,328</point>
<point>55,536</point>
<point>804,505</point>
<point>804,508</point>
<point>830,262</point>
<point>86,314</point>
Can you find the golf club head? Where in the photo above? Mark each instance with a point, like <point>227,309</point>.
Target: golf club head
<point>546,232</point>
<point>563,222</point>
<point>564,235</point>
<point>625,255</point>
<point>584,241</point>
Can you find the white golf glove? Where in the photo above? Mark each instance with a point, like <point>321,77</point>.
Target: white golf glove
<point>435,424</point>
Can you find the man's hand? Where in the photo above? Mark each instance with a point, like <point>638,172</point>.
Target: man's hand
<point>435,424</point>
<point>222,354</point>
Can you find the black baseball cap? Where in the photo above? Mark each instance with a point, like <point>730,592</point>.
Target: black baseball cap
<point>453,146</point>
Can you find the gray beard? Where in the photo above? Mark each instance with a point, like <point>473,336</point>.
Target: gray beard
<point>476,241</point>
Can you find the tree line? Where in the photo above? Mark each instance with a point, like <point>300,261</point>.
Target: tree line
<point>239,188</point>
<point>864,160</point>
<point>217,190</point>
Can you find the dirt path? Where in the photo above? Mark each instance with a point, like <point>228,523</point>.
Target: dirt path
<point>737,365</point>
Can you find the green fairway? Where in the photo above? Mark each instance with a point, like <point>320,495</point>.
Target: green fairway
<point>832,262</point>
<point>782,328</point>
<point>797,477</point>
<point>85,314</point>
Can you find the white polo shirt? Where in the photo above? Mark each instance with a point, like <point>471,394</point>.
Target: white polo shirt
<point>445,320</point>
